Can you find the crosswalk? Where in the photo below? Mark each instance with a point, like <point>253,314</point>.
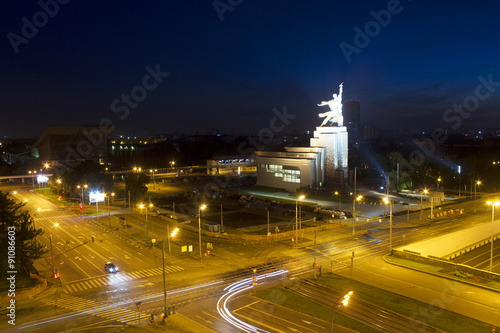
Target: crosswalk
<point>116,278</point>
<point>54,217</point>
<point>111,312</point>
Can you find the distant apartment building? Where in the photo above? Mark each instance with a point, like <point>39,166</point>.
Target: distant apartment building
<point>352,119</point>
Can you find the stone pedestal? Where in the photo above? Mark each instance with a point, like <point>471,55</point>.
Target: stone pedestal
<point>335,140</point>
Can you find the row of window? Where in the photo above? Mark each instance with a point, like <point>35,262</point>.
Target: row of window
<point>290,174</point>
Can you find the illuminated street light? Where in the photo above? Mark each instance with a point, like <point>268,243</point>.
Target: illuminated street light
<point>163,262</point>
<point>475,193</point>
<point>342,301</point>
<point>169,236</point>
<point>32,173</point>
<point>153,172</point>
<point>438,181</point>
<point>296,219</point>
<point>337,193</point>
<point>358,198</point>
<point>421,204</point>
<point>202,207</point>
<point>493,204</point>
<point>387,201</point>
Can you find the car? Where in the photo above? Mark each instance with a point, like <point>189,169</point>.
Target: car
<point>109,267</point>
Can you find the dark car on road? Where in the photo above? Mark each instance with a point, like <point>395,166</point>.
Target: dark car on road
<point>109,267</point>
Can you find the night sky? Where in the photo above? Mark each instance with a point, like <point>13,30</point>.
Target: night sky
<point>228,68</point>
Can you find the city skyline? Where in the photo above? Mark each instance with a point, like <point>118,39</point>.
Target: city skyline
<point>205,66</point>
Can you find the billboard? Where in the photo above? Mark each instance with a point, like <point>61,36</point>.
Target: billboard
<point>96,197</point>
<point>42,179</point>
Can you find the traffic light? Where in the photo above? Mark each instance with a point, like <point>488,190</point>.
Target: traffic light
<point>81,206</point>
<point>59,197</point>
<point>56,275</point>
<point>254,278</point>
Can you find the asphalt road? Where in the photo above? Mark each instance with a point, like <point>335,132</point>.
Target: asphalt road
<point>480,257</point>
<point>86,287</point>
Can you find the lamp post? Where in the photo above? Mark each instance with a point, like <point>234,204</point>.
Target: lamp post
<point>438,181</point>
<point>337,193</point>
<point>475,193</point>
<point>141,206</point>
<point>52,253</point>
<point>493,204</point>
<point>32,173</point>
<point>82,187</point>
<point>170,235</point>
<point>153,172</point>
<point>358,198</point>
<point>202,207</point>
<point>342,301</point>
<point>421,204</point>
<point>387,201</point>
<point>297,219</point>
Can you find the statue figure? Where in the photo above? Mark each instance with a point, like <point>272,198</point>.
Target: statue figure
<point>335,113</point>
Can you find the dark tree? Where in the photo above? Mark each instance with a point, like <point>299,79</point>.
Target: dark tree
<point>136,184</point>
<point>11,215</point>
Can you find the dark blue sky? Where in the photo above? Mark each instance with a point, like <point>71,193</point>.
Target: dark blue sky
<point>230,74</point>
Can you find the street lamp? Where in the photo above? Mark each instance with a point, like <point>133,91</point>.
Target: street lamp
<point>296,219</point>
<point>438,181</point>
<point>342,301</point>
<point>170,235</point>
<point>387,201</point>
<point>493,204</point>
<point>52,253</point>
<point>358,198</point>
<point>60,182</point>
<point>202,207</point>
<point>153,172</point>
<point>82,187</point>
<point>337,193</point>
<point>32,173</point>
<point>421,206</point>
<point>141,206</point>
<point>475,193</point>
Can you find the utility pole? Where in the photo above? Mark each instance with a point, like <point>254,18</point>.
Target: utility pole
<point>408,215</point>
<point>164,284</point>
<point>268,222</point>
<point>221,219</point>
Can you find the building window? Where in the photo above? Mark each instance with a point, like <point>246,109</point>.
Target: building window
<point>289,174</point>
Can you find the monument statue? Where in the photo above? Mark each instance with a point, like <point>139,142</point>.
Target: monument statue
<point>335,113</point>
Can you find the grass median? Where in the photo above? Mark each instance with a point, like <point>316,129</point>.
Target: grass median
<point>304,305</point>
<point>425,313</point>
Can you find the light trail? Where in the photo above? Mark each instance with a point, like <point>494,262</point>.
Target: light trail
<point>92,310</point>
<point>234,289</point>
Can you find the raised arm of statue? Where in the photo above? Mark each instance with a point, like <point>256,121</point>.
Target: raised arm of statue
<point>341,89</point>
